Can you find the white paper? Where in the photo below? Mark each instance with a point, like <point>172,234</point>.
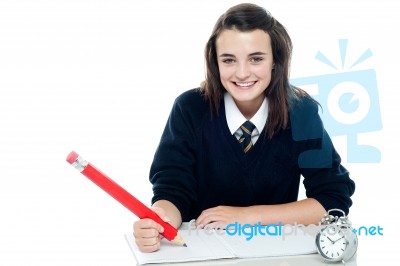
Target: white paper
<point>269,246</point>
<point>211,245</point>
<point>201,245</point>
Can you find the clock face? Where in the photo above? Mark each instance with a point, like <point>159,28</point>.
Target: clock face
<point>331,243</point>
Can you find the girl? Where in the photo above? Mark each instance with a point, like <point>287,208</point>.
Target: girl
<point>234,149</point>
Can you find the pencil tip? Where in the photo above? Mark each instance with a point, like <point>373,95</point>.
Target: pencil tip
<point>185,245</point>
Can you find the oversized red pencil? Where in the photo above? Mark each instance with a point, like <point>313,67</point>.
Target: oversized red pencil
<point>123,196</point>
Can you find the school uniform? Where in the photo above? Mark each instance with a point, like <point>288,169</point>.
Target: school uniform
<point>200,164</point>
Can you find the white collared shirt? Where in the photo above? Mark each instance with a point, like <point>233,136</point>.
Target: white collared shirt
<point>235,118</point>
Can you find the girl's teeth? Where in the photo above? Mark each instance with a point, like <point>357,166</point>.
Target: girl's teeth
<point>244,84</point>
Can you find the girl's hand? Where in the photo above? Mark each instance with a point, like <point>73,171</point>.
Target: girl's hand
<point>147,232</point>
<point>221,216</point>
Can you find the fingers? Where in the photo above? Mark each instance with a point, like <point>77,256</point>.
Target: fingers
<point>220,216</point>
<point>211,216</point>
<point>147,235</point>
<point>147,232</point>
<point>147,228</point>
<point>151,245</point>
<point>208,220</point>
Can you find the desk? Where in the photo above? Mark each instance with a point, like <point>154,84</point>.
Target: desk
<point>241,251</point>
<point>302,260</point>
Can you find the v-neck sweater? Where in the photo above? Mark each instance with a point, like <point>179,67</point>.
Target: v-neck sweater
<point>199,164</point>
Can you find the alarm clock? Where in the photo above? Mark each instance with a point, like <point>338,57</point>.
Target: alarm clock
<point>335,240</point>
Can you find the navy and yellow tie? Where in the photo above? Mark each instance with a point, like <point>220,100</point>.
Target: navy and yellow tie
<point>245,140</point>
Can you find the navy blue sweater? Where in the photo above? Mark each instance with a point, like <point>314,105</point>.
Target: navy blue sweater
<point>199,163</point>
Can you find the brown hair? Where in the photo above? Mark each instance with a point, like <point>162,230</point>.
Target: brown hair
<point>249,17</point>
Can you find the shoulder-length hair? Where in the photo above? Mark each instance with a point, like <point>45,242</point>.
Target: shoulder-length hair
<point>245,18</point>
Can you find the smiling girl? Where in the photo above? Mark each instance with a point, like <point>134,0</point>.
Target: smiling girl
<point>234,149</point>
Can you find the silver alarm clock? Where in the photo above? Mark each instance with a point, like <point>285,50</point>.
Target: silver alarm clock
<point>336,241</point>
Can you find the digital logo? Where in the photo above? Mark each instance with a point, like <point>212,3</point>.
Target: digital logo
<point>350,102</point>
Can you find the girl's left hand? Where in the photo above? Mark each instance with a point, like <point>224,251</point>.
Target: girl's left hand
<point>221,216</point>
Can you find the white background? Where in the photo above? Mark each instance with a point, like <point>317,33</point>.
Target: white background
<point>99,77</point>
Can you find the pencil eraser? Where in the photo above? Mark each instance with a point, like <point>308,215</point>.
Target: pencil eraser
<point>72,156</point>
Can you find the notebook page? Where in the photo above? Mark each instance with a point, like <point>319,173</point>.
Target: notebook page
<point>299,243</point>
<point>201,245</point>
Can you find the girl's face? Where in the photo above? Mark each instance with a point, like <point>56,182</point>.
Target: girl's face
<point>245,65</point>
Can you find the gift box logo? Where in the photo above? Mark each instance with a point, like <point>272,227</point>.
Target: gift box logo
<point>350,103</point>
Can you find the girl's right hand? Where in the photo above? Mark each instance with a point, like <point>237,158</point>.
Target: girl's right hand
<point>147,232</point>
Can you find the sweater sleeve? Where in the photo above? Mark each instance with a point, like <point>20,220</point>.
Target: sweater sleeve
<point>171,172</point>
<point>325,178</point>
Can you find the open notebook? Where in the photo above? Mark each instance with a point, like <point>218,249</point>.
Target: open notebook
<point>217,244</point>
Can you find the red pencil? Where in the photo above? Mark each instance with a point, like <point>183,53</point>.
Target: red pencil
<point>123,196</point>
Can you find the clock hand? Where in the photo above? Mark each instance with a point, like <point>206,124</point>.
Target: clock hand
<point>333,242</point>
<point>337,240</point>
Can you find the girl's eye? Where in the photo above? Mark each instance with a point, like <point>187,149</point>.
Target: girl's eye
<point>228,61</point>
<point>256,59</point>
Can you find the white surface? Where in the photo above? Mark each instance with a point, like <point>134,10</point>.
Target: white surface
<point>199,248</point>
<point>216,244</point>
<point>90,75</point>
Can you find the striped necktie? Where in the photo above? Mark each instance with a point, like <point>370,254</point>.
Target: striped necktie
<point>245,140</point>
